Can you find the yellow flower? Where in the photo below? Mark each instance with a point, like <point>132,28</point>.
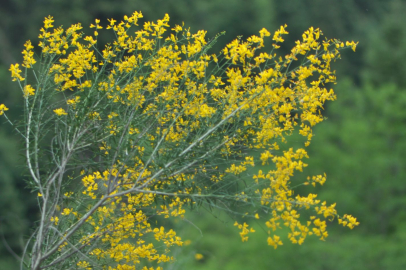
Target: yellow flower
<point>73,102</point>
<point>3,108</point>
<point>55,220</point>
<point>264,33</point>
<point>28,91</point>
<point>352,44</point>
<point>198,256</point>
<point>60,112</point>
<point>48,22</point>
<point>15,72</point>
<point>66,211</point>
<point>83,265</point>
<point>28,55</point>
<point>187,242</point>
<point>275,241</point>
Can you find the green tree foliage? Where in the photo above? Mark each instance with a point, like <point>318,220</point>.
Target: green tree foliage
<point>12,219</point>
<point>364,146</point>
<point>363,150</point>
<point>385,47</point>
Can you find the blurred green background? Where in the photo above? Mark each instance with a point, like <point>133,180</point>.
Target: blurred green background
<point>361,146</point>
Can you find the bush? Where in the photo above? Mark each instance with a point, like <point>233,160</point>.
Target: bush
<point>119,139</point>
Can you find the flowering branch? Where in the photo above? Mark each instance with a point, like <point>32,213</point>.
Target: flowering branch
<point>153,125</point>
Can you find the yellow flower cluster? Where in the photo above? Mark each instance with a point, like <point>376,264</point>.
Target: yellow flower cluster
<point>28,91</point>
<point>15,72</point>
<point>244,230</point>
<point>348,221</point>
<point>60,112</point>
<point>164,114</point>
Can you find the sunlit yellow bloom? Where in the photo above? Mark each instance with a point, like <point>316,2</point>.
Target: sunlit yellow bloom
<point>264,33</point>
<point>28,91</point>
<point>352,44</point>
<point>3,108</point>
<point>60,112</point>
<point>48,22</point>
<point>28,54</point>
<point>15,72</point>
<point>198,256</point>
<point>66,211</point>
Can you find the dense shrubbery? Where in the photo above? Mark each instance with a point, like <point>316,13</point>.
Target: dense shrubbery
<point>153,125</point>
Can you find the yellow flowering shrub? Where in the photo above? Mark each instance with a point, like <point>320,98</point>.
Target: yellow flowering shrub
<point>153,125</point>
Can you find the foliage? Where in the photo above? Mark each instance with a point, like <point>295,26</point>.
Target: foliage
<point>361,148</point>
<point>153,125</point>
<point>384,58</point>
<point>370,153</point>
<point>343,250</point>
<point>11,225</point>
